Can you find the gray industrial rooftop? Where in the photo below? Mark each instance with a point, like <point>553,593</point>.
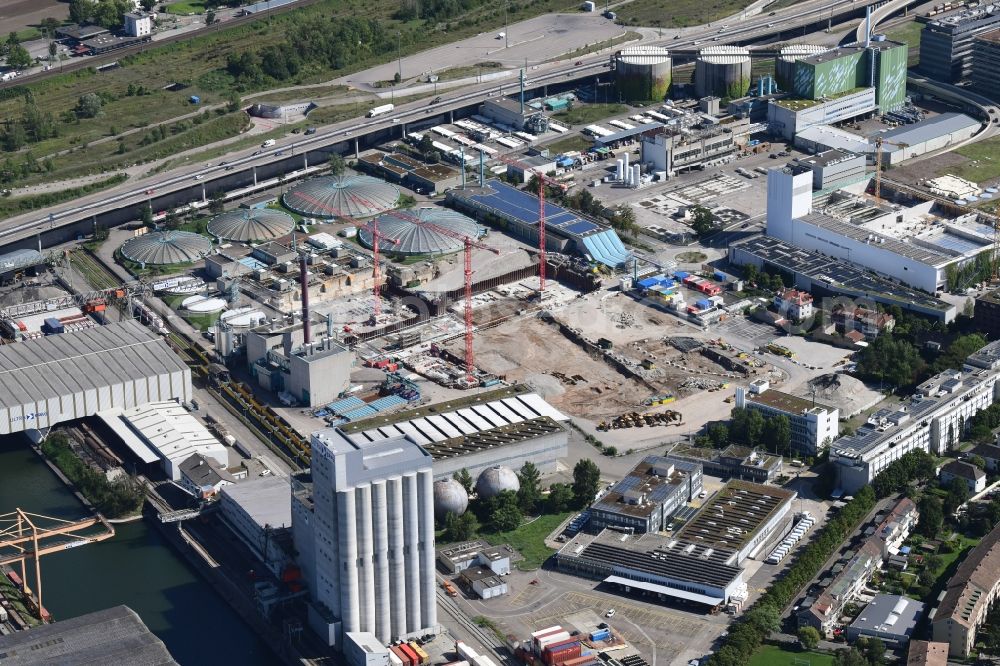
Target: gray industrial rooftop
<point>115,636</point>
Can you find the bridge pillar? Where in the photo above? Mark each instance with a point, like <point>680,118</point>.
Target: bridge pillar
<point>255,176</point>
<point>545,90</point>
<point>403,126</point>
<point>357,152</point>
<point>204,195</point>
<point>305,161</point>
<point>451,116</point>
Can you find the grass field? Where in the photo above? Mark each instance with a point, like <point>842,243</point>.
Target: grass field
<point>566,144</point>
<point>465,71</point>
<point>587,114</point>
<point>909,34</point>
<point>529,539</point>
<point>773,655</point>
<point>676,13</point>
<point>986,154</point>
<point>186,7</point>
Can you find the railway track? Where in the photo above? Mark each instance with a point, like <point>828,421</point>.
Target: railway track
<point>481,634</point>
<point>96,275</point>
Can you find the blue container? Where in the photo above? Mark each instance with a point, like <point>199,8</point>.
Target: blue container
<point>53,325</point>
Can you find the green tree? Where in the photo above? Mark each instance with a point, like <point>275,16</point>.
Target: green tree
<point>976,460</point>
<point>217,202</point>
<point>702,221</point>
<point>147,216</point>
<point>18,57</point>
<point>53,49</point>
<point>504,512</point>
<point>530,493</point>
<point>777,435</point>
<point>209,17</point>
<point>849,657</point>
<point>81,11</point>
<point>586,481</point>
<point>958,493</point>
<point>875,652</point>
<point>337,164</point>
<point>463,477</point>
<point>718,433</point>
<point>931,515</point>
<point>233,101</point>
<point>624,220</point>
<point>893,361</point>
<point>460,528</point>
<point>560,498</point>
<point>808,638</point>
<point>88,106</point>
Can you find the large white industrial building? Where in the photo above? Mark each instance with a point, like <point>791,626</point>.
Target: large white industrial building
<point>164,431</point>
<point>912,245</point>
<point>788,117</point>
<point>932,420</point>
<point>364,531</point>
<point>60,378</point>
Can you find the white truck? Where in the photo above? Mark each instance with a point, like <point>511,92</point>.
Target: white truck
<point>379,110</point>
<point>267,144</point>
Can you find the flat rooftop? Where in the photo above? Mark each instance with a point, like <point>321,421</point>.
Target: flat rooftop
<point>112,636</point>
<point>890,614</point>
<point>734,515</point>
<point>785,402</point>
<point>828,158</point>
<point>837,273</point>
<point>657,555</point>
<point>652,480</point>
<point>800,104</point>
<point>266,499</point>
<point>855,232</point>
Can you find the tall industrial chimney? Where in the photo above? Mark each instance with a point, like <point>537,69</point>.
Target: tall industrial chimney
<point>304,287</point>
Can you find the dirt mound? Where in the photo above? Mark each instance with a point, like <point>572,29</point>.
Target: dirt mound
<point>844,392</point>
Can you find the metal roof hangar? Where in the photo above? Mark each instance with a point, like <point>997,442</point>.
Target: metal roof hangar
<point>64,377</point>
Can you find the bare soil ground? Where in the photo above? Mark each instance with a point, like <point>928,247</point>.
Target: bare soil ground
<point>20,14</point>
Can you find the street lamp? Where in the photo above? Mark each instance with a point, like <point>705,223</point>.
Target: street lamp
<point>399,58</point>
<point>505,30</point>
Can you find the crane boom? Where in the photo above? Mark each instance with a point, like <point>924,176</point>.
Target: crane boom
<point>878,164</point>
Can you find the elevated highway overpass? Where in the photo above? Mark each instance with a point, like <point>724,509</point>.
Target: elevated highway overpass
<point>292,156</point>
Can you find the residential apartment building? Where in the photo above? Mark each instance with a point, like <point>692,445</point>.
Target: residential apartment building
<point>933,420</point>
<point>813,425</point>
<point>968,597</point>
<point>794,304</point>
<point>870,323</point>
<point>973,477</point>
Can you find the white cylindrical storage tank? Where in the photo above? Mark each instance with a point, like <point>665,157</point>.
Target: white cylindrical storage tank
<point>397,574</point>
<point>636,173</point>
<point>366,557</point>
<point>348,541</point>
<point>722,71</point>
<point>428,598</point>
<point>642,73</point>
<point>619,170</point>
<point>412,529</point>
<point>784,64</point>
<point>383,626</point>
<point>625,164</point>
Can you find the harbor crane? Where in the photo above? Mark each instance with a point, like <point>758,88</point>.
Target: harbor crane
<point>878,163</point>
<point>22,535</point>
<point>543,180</point>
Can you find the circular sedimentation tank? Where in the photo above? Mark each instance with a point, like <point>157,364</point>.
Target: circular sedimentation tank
<point>342,196</point>
<point>166,247</point>
<point>722,71</point>
<point>494,480</point>
<point>784,64</point>
<point>413,238</point>
<point>251,224</point>
<point>642,73</point>
<point>449,497</point>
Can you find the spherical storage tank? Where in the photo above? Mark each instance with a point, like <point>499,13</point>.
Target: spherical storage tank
<point>413,238</point>
<point>251,224</point>
<point>494,480</point>
<point>334,196</point>
<point>166,247</point>
<point>722,71</point>
<point>642,73</point>
<point>449,497</point>
<point>784,64</point>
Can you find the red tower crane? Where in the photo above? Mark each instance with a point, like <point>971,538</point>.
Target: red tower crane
<point>543,181</point>
<point>468,243</point>
<point>377,237</point>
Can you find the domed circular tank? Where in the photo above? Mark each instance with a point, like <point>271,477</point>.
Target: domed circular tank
<point>494,480</point>
<point>449,497</point>
<point>642,73</point>
<point>722,71</point>
<point>784,64</point>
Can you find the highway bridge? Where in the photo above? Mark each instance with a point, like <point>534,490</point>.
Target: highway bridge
<point>292,156</point>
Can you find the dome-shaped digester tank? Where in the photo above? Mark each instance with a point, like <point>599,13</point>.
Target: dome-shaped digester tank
<point>166,247</point>
<point>722,71</point>
<point>642,73</point>
<point>335,196</point>
<point>495,480</point>
<point>251,224</point>
<point>449,497</point>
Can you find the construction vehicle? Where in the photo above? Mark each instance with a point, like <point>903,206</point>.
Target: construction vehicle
<point>636,420</point>
<point>780,351</point>
<point>449,589</point>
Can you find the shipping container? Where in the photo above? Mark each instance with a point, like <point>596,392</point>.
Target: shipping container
<point>557,657</point>
<point>394,659</point>
<point>582,660</point>
<point>465,651</point>
<point>412,656</point>
<point>600,635</point>
<point>402,656</point>
<point>483,660</point>
<point>384,108</point>
<point>424,657</point>
<point>550,639</point>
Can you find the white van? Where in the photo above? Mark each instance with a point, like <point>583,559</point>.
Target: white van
<point>267,144</point>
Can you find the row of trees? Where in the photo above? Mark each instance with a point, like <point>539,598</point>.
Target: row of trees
<point>32,126</point>
<point>764,616</point>
<point>917,465</point>
<point>112,498</point>
<point>105,13</point>
<point>751,428</point>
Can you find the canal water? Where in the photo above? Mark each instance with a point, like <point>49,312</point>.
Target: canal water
<point>136,568</point>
